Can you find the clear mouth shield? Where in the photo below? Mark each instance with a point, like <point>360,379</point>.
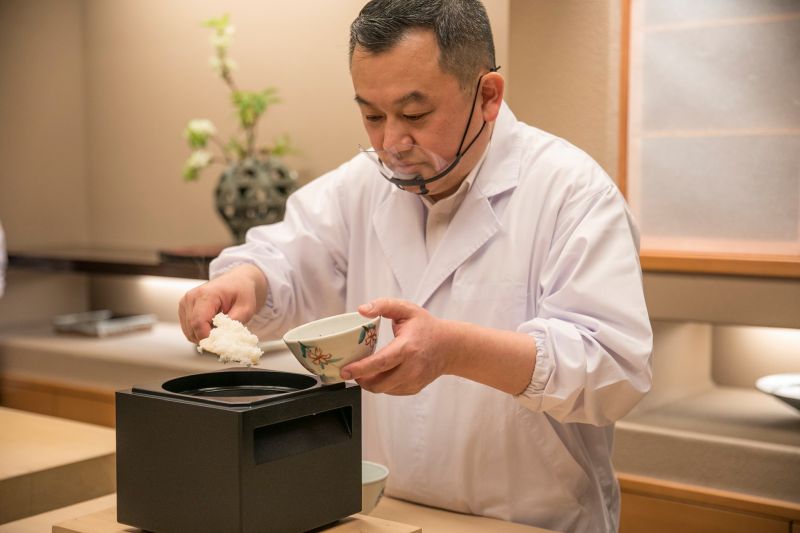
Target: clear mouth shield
<point>409,165</point>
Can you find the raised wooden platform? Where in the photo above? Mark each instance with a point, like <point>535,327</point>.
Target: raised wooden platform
<point>105,521</point>
<point>47,463</point>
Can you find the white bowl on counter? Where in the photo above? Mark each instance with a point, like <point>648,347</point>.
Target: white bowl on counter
<point>373,481</point>
<point>785,387</point>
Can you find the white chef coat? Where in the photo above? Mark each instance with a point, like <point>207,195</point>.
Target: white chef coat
<point>439,214</point>
<point>541,244</point>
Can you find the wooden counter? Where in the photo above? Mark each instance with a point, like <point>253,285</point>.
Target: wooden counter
<point>390,516</point>
<point>105,521</point>
<point>47,463</point>
<point>75,377</point>
<point>739,441</point>
<point>438,520</point>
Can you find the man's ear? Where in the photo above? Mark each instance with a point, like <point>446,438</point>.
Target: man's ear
<point>492,88</point>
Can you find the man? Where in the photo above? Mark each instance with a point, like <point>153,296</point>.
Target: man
<point>504,258</point>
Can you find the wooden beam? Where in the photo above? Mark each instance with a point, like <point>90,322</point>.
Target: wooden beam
<point>722,499</point>
<point>757,265</point>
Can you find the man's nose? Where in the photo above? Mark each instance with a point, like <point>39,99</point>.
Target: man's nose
<point>396,133</point>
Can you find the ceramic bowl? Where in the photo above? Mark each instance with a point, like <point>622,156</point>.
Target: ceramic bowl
<point>785,387</point>
<point>373,481</point>
<point>327,345</point>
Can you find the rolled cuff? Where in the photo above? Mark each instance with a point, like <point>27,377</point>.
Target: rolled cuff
<point>266,313</point>
<point>533,394</point>
<point>219,266</point>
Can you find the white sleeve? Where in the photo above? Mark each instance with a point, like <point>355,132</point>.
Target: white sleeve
<point>304,257</point>
<point>592,331</point>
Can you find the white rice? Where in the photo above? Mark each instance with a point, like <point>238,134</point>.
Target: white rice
<point>232,341</point>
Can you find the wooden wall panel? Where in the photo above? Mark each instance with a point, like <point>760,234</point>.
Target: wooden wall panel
<point>644,514</point>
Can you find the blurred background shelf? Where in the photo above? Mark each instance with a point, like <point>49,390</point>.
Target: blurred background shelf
<point>726,438</point>
<point>177,263</point>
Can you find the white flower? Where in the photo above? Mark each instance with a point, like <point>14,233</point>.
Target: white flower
<point>199,159</point>
<point>201,126</point>
<point>198,131</point>
<point>221,40</point>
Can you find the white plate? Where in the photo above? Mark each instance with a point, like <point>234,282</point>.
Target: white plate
<point>785,387</point>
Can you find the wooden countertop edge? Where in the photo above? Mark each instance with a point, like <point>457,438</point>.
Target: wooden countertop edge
<point>105,521</point>
<point>21,381</point>
<point>683,492</point>
<point>749,265</point>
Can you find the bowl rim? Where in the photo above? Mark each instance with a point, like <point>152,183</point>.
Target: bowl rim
<point>317,338</point>
<point>384,472</point>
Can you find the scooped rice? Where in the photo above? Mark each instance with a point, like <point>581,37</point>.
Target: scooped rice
<point>232,341</point>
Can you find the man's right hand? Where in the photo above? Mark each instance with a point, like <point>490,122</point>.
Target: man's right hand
<point>239,293</point>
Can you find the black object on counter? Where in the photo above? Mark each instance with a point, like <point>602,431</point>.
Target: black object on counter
<point>241,450</point>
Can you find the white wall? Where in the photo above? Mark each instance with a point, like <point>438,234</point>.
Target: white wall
<point>43,180</point>
<point>565,56</point>
<point>148,74</point>
<point>42,123</point>
<point>94,95</point>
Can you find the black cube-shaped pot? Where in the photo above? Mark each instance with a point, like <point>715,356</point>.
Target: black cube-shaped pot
<point>242,450</point>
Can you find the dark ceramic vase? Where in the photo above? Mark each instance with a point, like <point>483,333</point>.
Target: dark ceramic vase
<point>253,192</point>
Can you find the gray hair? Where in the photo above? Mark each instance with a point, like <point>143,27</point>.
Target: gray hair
<point>462,31</point>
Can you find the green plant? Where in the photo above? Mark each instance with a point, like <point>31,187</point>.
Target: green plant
<point>250,106</point>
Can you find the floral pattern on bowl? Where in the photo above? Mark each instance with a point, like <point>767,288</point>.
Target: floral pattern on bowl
<point>325,346</point>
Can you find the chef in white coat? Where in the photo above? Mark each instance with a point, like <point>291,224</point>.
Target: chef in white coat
<point>503,259</point>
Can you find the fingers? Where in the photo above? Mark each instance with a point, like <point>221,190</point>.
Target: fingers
<point>394,382</point>
<point>201,320</point>
<point>235,293</point>
<point>242,312</point>
<point>390,382</point>
<point>381,361</point>
<point>392,308</point>
<point>242,292</point>
<point>183,316</point>
<point>196,312</point>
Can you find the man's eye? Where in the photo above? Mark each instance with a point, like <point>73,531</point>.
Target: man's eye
<point>416,117</point>
<point>372,118</point>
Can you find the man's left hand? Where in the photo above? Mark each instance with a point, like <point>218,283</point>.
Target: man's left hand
<point>417,355</point>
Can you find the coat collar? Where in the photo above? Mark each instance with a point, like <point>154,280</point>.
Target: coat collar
<point>399,221</point>
<point>502,165</point>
